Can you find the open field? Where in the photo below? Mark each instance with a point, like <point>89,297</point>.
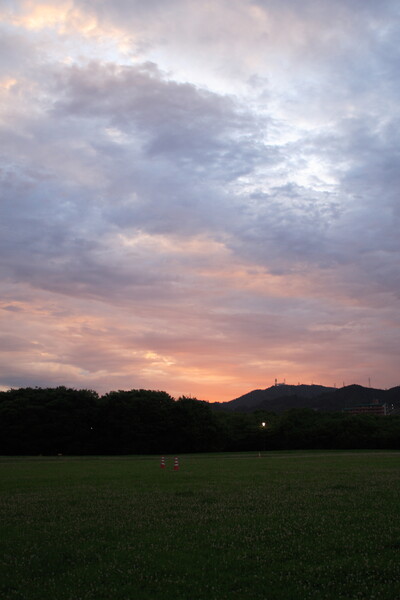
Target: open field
<point>286,526</point>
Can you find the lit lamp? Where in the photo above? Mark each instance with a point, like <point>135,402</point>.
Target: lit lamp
<point>263,424</point>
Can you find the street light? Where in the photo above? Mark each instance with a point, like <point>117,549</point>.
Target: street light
<point>263,425</point>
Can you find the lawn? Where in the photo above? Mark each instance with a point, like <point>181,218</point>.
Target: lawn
<point>286,526</point>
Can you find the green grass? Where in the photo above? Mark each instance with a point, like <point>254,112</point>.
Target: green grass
<point>286,526</point>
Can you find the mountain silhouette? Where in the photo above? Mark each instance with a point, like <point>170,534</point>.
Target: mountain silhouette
<point>279,398</point>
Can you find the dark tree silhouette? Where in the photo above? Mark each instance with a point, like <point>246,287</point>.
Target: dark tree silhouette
<point>67,421</point>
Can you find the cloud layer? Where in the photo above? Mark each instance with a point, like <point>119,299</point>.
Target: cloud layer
<point>199,198</point>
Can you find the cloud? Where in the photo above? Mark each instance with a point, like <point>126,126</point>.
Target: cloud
<point>198,196</point>
<point>178,122</point>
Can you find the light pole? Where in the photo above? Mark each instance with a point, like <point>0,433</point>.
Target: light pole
<point>263,425</point>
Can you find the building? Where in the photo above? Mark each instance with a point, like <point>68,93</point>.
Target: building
<point>374,408</point>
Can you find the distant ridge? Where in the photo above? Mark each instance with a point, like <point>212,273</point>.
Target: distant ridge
<point>257,397</point>
<point>279,398</point>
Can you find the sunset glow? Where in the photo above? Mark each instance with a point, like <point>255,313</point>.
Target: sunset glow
<point>199,197</point>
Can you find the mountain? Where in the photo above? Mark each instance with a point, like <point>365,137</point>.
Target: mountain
<point>279,398</point>
<point>253,399</point>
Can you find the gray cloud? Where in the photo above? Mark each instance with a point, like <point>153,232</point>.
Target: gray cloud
<point>200,132</point>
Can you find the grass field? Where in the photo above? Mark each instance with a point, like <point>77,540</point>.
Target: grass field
<point>286,526</point>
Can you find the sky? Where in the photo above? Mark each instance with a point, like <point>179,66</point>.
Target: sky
<point>199,197</point>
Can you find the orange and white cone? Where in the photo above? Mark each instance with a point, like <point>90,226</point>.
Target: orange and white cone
<point>162,462</point>
<point>176,464</point>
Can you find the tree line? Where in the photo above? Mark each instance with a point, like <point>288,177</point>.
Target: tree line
<point>49,421</point>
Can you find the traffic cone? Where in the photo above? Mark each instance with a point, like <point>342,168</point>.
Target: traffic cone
<point>162,462</point>
<point>176,464</point>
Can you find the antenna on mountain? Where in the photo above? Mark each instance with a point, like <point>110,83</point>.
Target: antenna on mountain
<point>369,382</point>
